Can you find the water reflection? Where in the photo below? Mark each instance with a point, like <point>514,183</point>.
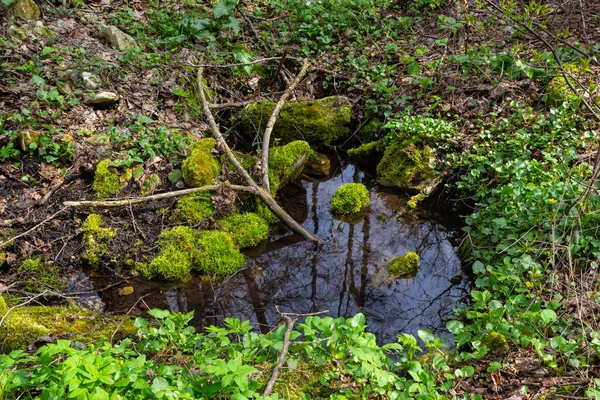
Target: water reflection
<point>346,274</point>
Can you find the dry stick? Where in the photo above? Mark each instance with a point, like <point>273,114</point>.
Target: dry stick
<point>264,195</point>
<point>32,229</point>
<point>161,196</point>
<point>284,349</point>
<point>271,123</point>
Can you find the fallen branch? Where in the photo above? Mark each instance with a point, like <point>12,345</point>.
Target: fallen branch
<point>263,194</point>
<point>273,119</point>
<point>144,199</point>
<point>282,355</point>
<point>32,229</point>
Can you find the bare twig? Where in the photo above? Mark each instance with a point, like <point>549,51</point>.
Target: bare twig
<point>282,355</point>
<point>263,194</point>
<point>144,199</point>
<point>271,123</point>
<point>32,229</point>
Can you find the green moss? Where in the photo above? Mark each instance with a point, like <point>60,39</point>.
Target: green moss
<point>96,239</point>
<point>350,198</point>
<point>366,149</point>
<point>286,163</point>
<point>558,91</point>
<point>37,275</point>
<point>106,180</point>
<point>194,208</point>
<point>319,122</point>
<point>174,262</point>
<point>406,167</point>
<point>216,253</point>
<point>2,257</point>
<point>200,167</point>
<point>247,229</point>
<point>404,265</point>
<point>263,211</point>
<point>24,325</point>
<point>496,342</point>
<point>415,200</point>
<point>25,9</point>
<point>3,306</point>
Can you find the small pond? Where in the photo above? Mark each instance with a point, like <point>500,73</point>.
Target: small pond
<point>345,275</point>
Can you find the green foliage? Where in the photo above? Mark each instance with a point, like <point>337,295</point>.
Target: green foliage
<point>418,129</point>
<point>106,180</point>
<point>404,265</point>
<point>247,229</point>
<point>96,239</point>
<point>200,167</point>
<point>350,198</point>
<point>194,208</point>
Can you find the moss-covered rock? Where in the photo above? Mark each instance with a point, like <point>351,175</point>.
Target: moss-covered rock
<point>317,164</point>
<point>286,163</point>
<point>38,275</point>
<point>407,168</point>
<point>414,201</point>
<point>319,122</point>
<point>366,149</point>
<point>2,257</point>
<point>194,208</point>
<point>247,229</point>
<point>350,198</point>
<point>25,9</point>
<point>407,264</point>
<point>200,167</point>
<point>106,180</point>
<point>216,253</point>
<point>96,239</point>
<point>174,262</point>
<point>24,325</point>
<point>496,342</point>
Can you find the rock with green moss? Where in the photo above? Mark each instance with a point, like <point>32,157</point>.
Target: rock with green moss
<point>96,239</point>
<point>366,149</point>
<point>38,275</point>
<point>496,342</point>
<point>26,9</point>
<point>216,253</point>
<point>286,163</point>
<point>407,167</point>
<point>402,266</point>
<point>107,182</point>
<point>24,325</point>
<point>194,208</point>
<point>174,262</point>
<point>350,198</point>
<point>317,164</point>
<point>200,167</point>
<point>414,201</point>
<point>320,122</point>
<point>248,229</point>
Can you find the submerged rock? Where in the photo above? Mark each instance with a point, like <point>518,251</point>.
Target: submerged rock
<point>407,167</point>
<point>116,37</point>
<point>319,122</point>
<point>200,167</point>
<point>102,99</point>
<point>317,164</point>
<point>350,198</point>
<point>286,163</point>
<point>25,9</point>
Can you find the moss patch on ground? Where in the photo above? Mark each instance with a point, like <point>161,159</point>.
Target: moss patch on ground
<point>406,167</point>
<point>404,265</point>
<point>247,229</point>
<point>107,182</point>
<point>286,163</point>
<point>200,167</point>
<point>24,325</point>
<point>350,198</point>
<point>38,275</point>
<point>319,122</point>
<point>194,208</point>
<point>96,239</point>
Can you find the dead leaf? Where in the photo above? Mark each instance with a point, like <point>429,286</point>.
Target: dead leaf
<point>224,199</point>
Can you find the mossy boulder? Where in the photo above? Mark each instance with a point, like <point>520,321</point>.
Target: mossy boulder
<point>37,275</point>
<point>96,239</point>
<point>286,163</point>
<point>200,167</point>
<point>107,182</point>
<point>403,266</point>
<point>367,150</point>
<point>317,164</point>
<point>407,167</point>
<point>183,250</point>
<point>25,9</point>
<point>320,122</point>
<point>194,208</point>
<point>350,198</point>
<point>496,342</point>
<point>247,230</point>
<point>24,325</point>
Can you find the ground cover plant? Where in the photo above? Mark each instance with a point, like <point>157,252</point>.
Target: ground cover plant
<point>495,102</point>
